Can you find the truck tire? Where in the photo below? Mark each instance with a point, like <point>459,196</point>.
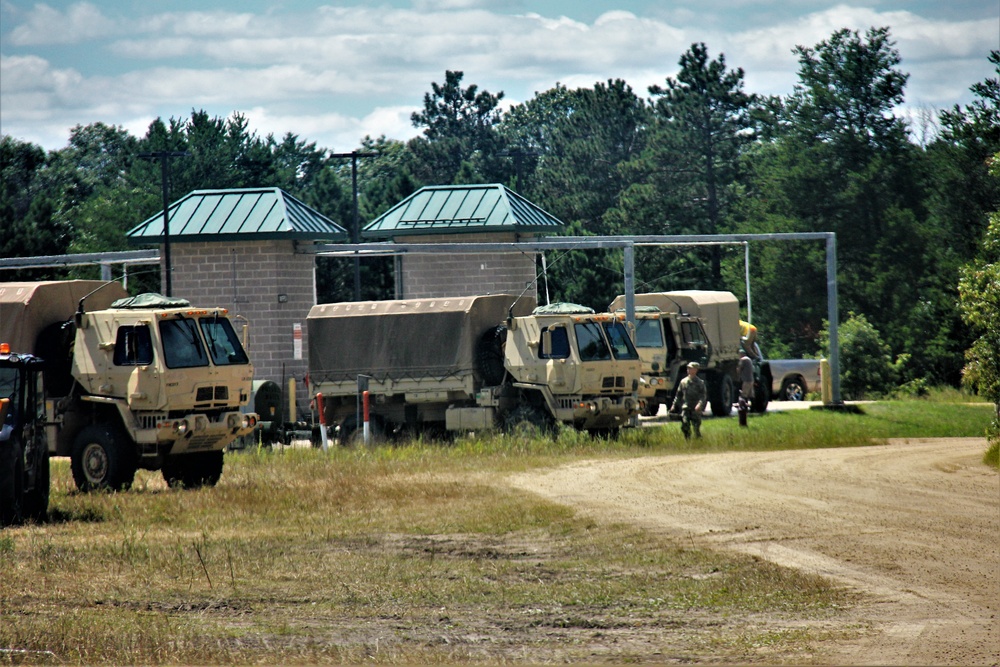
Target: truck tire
<point>652,407</point>
<point>193,471</point>
<point>11,482</point>
<point>761,397</point>
<point>489,356</point>
<point>528,421</point>
<point>103,457</point>
<point>352,434</point>
<point>36,501</point>
<point>721,394</point>
<point>793,389</point>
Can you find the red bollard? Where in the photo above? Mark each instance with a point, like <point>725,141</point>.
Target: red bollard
<point>365,405</point>
<point>324,438</point>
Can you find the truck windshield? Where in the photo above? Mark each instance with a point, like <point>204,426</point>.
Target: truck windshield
<point>182,346</point>
<point>223,343</point>
<point>591,342</point>
<point>648,333</point>
<point>621,343</point>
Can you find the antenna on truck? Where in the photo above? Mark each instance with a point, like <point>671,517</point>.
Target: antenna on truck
<point>533,281</point>
<point>79,307</point>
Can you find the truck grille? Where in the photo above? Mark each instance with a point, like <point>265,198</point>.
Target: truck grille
<point>217,393</point>
<point>613,382</point>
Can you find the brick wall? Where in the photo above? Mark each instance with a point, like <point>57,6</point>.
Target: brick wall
<point>461,274</point>
<point>264,282</point>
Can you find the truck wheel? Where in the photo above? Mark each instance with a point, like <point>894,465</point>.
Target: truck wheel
<point>652,407</point>
<point>528,421</point>
<point>489,355</point>
<point>103,457</point>
<point>793,389</point>
<point>722,392</point>
<point>352,434</point>
<point>36,501</point>
<point>193,471</point>
<point>761,397</point>
<point>11,482</point>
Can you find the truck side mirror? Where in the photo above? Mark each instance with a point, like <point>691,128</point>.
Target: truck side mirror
<point>546,350</point>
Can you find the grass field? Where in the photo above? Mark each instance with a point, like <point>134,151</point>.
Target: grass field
<point>415,553</point>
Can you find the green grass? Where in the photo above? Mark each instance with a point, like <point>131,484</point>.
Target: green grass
<point>415,553</point>
<point>873,424</point>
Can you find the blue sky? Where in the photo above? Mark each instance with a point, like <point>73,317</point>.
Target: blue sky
<point>333,73</point>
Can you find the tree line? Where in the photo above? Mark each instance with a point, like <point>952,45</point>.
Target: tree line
<point>909,200</point>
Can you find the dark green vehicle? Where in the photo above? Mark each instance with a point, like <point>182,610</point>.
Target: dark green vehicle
<point>24,452</point>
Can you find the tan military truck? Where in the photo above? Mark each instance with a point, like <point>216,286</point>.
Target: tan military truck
<point>675,328</point>
<point>131,382</point>
<point>472,363</point>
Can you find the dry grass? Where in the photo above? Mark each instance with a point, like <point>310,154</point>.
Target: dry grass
<point>396,555</point>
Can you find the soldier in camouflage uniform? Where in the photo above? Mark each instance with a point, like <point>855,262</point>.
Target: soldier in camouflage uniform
<point>690,401</point>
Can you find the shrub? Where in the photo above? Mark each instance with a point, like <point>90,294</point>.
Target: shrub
<point>866,365</point>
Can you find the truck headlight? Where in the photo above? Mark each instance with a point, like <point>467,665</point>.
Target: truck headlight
<point>181,427</point>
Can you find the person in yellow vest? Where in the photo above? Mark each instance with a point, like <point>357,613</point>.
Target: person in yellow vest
<point>748,334</point>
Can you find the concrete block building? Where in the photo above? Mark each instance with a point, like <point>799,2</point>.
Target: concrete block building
<point>237,249</point>
<point>489,213</point>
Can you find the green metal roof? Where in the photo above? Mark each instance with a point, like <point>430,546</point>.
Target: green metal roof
<point>449,209</point>
<point>251,214</point>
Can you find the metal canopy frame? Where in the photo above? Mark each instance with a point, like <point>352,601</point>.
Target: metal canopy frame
<point>627,244</point>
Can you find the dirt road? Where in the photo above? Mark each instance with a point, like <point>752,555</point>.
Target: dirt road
<point>914,524</point>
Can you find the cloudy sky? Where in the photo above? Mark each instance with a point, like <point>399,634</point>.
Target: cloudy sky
<point>333,73</point>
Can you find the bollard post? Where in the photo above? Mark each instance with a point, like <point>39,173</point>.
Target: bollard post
<point>825,382</point>
<point>324,439</point>
<point>365,403</point>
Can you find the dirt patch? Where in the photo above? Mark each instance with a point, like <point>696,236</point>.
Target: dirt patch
<point>914,525</point>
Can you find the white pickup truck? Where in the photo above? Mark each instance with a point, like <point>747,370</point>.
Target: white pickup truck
<point>792,379</point>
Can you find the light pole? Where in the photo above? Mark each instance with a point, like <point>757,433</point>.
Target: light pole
<point>164,158</point>
<point>355,226</point>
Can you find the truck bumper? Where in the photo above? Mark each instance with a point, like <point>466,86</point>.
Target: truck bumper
<point>600,412</point>
<point>197,433</point>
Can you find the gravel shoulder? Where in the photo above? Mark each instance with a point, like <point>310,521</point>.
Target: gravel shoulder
<point>914,525</point>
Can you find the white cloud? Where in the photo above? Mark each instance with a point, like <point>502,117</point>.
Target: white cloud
<point>338,72</point>
<point>332,130</point>
<point>45,25</point>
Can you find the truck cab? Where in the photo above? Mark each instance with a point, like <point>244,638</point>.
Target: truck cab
<point>584,365</point>
<point>161,387</point>
<point>666,343</point>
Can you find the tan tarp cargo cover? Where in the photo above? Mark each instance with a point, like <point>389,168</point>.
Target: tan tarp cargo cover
<point>403,339</point>
<point>719,311</point>
<point>27,308</point>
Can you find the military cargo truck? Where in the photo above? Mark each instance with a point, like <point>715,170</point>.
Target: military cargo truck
<point>472,363</point>
<point>131,382</point>
<point>675,328</point>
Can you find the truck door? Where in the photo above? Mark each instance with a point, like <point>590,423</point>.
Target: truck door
<point>134,348</point>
